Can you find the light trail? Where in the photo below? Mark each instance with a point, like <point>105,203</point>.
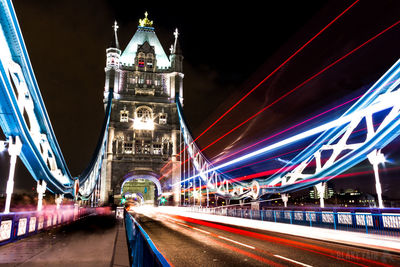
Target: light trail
<point>347,257</point>
<point>299,86</point>
<point>224,245</point>
<point>335,123</point>
<point>289,92</point>
<point>269,75</point>
<point>288,129</point>
<point>344,175</point>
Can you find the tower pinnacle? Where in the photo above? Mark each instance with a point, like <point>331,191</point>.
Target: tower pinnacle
<point>176,48</point>
<point>115,41</point>
<point>145,22</point>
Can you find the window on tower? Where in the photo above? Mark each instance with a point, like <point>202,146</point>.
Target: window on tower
<point>141,62</point>
<point>157,149</point>
<point>149,63</point>
<point>162,119</point>
<point>128,147</point>
<point>124,115</point>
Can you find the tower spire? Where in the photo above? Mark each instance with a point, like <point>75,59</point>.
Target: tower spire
<point>176,47</point>
<point>115,43</point>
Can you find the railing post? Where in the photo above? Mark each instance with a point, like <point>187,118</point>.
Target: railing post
<point>334,220</point>
<point>366,224</point>
<point>274,212</point>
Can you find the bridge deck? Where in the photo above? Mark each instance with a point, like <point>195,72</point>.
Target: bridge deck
<point>91,241</point>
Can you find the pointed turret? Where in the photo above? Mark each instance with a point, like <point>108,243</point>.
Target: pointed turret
<point>112,70</point>
<point>114,42</point>
<point>176,54</point>
<point>176,66</point>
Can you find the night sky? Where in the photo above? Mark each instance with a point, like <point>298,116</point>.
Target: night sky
<point>227,49</point>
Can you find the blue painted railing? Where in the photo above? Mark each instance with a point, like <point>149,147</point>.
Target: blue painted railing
<point>385,224</point>
<point>142,250</point>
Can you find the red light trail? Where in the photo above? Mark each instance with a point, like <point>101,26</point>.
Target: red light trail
<point>291,243</point>
<point>297,87</point>
<point>268,76</point>
<point>301,85</point>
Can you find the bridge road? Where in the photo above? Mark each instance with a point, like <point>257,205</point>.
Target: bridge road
<point>188,242</point>
<point>90,241</point>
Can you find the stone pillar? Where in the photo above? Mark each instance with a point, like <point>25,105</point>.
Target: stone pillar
<point>106,169</point>
<point>176,169</point>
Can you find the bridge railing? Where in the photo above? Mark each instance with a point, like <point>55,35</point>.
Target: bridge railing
<point>17,225</point>
<point>384,224</point>
<point>142,250</point>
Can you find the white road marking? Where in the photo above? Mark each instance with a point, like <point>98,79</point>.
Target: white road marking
<point>219,236</point>
<point>201,230</point>
<point>236,242</point>
<point>297,262</point>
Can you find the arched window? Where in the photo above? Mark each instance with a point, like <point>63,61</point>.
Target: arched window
<point>144,113</point>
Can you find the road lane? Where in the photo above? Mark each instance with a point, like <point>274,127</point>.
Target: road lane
<point>182,239</point>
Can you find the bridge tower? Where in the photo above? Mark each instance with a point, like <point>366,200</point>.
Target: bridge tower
<point>144,131</point>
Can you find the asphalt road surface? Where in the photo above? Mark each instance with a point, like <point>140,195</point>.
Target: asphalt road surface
<point>190,242</point>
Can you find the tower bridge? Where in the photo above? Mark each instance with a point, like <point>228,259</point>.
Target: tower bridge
<point>146,153</point>
<point>144,129</point>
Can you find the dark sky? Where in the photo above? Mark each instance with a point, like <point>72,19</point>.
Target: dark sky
<point>227,49</point>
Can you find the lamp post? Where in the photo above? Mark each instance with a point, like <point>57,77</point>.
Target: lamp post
<point>375,158</point>
<point>14,149</point>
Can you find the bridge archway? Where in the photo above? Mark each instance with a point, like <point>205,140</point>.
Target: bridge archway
<point>144,183</point>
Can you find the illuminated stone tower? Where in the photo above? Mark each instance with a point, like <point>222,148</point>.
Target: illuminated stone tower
<point>144,132</point>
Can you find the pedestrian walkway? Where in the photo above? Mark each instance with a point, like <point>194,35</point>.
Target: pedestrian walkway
<point>91,241</point>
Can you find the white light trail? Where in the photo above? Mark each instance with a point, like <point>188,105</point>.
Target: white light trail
<point>384,103</point>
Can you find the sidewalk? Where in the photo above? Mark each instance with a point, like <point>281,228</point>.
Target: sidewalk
<point>92,241</point>
<point>345,237</point>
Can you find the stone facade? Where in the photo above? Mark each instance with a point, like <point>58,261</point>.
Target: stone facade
<point>144,131</point>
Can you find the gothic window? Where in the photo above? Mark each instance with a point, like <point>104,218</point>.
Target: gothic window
<point>146,148</point>
<point>131,79</point>
<point>124,115</point>
<point>143,113</point>
<point>162,118</point>
<point>157,82</point>
<point>157,149</point>
<point>141,60</point>
<point>141,79</point>
<point>138,148</point>
<point>128,147</point>
<point>149,63</point>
